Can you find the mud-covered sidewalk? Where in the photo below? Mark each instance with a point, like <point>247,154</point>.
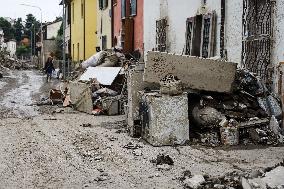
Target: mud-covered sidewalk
<point>75,150</point>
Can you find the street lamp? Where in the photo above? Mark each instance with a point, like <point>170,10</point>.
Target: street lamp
<point>41,34</point>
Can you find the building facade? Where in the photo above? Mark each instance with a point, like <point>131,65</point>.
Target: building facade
<point>104,28</point>
<point>50,30</point>
<point>83,29</point>
<point>128,25</point>
<point>248,32</point>
<point>1,38</point>
<point>12,47</point>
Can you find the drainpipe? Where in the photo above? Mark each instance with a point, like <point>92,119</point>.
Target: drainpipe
<point>222,29</point>
<point>84,29</point>
<point>112,24</point>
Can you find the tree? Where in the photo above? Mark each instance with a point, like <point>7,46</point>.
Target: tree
<point>18,26</point>
<point>32,25</point>
<point>22,51</point>
<point>7,28</point>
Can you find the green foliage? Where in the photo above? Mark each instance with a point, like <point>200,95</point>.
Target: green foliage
<point>60,31</point>
<point>7,28</point>
<point>18,26</point>
<point>59,43</point>
<point>23,51</point>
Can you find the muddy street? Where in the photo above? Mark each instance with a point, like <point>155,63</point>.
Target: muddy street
<point>69,149</point>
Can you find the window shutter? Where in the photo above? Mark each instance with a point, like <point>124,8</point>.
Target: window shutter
<point>105,5</point>
<point>123,8</point>
<point>101,4</point>
<point>188,35</point>
<point>208,35</point>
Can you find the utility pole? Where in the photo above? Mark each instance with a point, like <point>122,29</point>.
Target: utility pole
<point>63,49</point>
<point>31,43</point>
<point>41,34</point>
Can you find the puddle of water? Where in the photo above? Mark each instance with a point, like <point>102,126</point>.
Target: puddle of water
<point>19,99</point>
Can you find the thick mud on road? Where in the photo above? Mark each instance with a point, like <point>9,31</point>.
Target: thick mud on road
<point>69,149</point>
<point>18,89</point>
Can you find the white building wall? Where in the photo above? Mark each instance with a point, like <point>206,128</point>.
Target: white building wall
<point>233,30</point>
<point>12,47</point>
<point>1,37</point>
<point>52,30</point>
<point>278,43</point>
<point>176,12</point>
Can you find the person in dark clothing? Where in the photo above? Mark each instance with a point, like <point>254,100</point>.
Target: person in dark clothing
<point>49,68</point>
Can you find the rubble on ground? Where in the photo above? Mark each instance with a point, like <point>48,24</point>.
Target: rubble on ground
<point>238,109</point>
<point>6,62</point>
<point>99,85</point>
<point>244,111</point>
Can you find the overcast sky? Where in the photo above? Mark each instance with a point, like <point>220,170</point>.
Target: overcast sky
<point>13,9</point>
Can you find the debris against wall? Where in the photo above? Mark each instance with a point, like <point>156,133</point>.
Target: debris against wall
<point>194,72</point>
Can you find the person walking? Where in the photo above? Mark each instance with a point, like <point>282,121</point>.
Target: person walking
<point>49,68</point>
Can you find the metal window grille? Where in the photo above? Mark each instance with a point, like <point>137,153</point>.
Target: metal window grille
<point>161,35</point>
<point>133,7</point>
<point>206,37</point>
<point>256,52</point>
<point>200,35</point>
<point>188,35</point>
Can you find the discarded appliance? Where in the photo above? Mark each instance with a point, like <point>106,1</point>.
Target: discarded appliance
<point>104,75</point>
<point>165,119</point>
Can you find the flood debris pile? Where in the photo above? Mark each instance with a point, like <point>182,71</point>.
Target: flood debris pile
<point>249,114</point>
<point>202,101</point>
<point>99,88</point>
<point>11,63</point>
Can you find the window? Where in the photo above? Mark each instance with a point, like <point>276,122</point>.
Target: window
<point>73,13</point>
<point>161,35</point>
<point>103,4</point>
<point>73,51</point>
<point>104,42</point>
<point>133,7</point>
<point>78,52</point>
<point>200,35</point>
<point>123,8</point>
<point>82,8</point>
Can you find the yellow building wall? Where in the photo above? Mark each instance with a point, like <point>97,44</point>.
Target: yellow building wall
<point>83,29</point>
<point>77,31</point>
<point>104,25</point>
<point>91,27</point>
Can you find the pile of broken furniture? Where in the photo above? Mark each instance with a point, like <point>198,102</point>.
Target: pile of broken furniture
<point>174,99</point>
<point>99,88</point>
